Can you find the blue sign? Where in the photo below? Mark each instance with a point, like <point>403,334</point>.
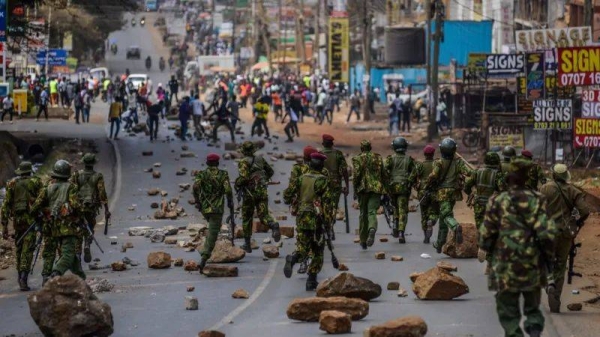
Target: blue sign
<point>3,20</point>
<point>56,57</point>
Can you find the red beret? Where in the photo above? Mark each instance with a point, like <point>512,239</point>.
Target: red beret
<point>213,157</point>
<point>308,151</point>
<point>527,153</point>
<point>318,156</point>
<point>429,149</point>
<point>327,138</point>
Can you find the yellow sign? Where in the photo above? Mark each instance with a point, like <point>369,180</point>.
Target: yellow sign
<point>20,98</point>
<point>506,136</point>
<point>339,52</point>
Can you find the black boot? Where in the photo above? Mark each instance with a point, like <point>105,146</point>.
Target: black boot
<point>401,238</point>
<point>201,265</point>
<point>535,333</point>
<point>311,282</point>
<point>290,261</point>
<point>438,249</point>
<point>87,254</point>
<point>426,239</point>
<point>428,231</point>
<point>395,231</point>
<point>275,231</point>
<point>247,246</point>
<point>371,238</point>
<point>23,281</point>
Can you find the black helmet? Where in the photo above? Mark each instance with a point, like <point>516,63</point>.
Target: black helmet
<point>89,159</point>
<point>399,144</point>
<point>509,152</point>
<point>448,148</point>
<point>491,159</point>
<point>61,170</point>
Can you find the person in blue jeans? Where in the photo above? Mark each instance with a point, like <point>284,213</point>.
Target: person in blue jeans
<point>114,117</point>
<point>184,114</point>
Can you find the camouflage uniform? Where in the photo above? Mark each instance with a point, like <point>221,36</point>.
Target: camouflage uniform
<point>562,198</point>
<point>487,182</point>
<point>60,197</point>
<point>536,177</point>
<point>20,195</point>
<point>399,167</point>
<point>446,179</point>
<point>210,188</point>
<point>515,231</point>
<point>370,183</point>
<point>92,196</point>
<point>254,174</point>
<point>337,169</point>
<point>430,207</point>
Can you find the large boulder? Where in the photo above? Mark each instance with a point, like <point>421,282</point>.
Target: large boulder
<point>335,322</point>
<point>225,252</point>
<point>411,326</point>
<point>467,249</point>
<point>439,284</point>
<point>66,307</point>
<point>348,285</point>
<point>159,260</point>
<point>309,309</point>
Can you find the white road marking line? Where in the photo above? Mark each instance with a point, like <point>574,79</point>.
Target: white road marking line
<point>261,287</point>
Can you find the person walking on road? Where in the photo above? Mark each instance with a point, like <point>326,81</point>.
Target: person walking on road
<point>399,167</point>
<point>60,197</point>
<point>260,111</point>
<point>337,171</point>
<point>293,110</point>
<point>427,202</point>
<point>310,193</point>
<point>7,108</point>
<point>234,111</point>
<point>354,106</point>
<point>21,192</point>
<point>87,105</point>
<point>184,116</point>
<point>43,106</point>
<point>251,187</point>
<point>447,176</point>
<point>174,88</point>
<point>92,196</point>
<point>370,183</point>
<point>223,116</point>
<point>564,200</point>
<point>211,187</point>
<point>520,237</point>
<point>114,118</point>
<point>198,112</point>
<point>154,112</point>
<point>78,104</point>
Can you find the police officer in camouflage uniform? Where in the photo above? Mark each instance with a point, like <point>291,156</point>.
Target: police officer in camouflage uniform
<point>564,200</point>
<point>254,175</point>
<point>211,187</point>
<point>519,235</point>
<point>92,196</point>
<point>509,153</point>
<point>446,179</point>
<point>370,183</point>
<point>60,197</point>
<point>487,182</point>
<point>430,208</point>
<point>20,195</point>
<point>536,175</point>
<point>399,167</point>
<point>337,169</point>
<point>310,191</point>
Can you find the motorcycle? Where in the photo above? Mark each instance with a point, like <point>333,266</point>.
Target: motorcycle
<point>161,64</point>
<point>113,48</point>
<point>148,63</point>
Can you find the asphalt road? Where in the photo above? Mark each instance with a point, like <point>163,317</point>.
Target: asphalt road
<point>149,302</point>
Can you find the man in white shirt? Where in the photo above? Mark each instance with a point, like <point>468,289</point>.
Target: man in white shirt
<point>321,104</point>
<point>197,113</point>
<point>7,107</point>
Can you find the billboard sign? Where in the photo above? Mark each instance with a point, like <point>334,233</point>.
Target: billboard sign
<point>504,65</point>
<point>56,57</point>
<point>534,70</point>
<point>578,66</point>
<point>549,114</point>
<point>3,20</point>
<point>544,39</point>
<point>506,136</point>
<point>586,132</point>
<point>339,52</point>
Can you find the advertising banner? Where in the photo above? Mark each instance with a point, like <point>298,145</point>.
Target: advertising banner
<point>524,106</point>
<point>578,66</point>
<point>552,114</point>
<point>544,39</point>
<point>504,65</point>
<point>56,57</point>
<point>3,20</point>
<point>534,71</point>
<point>586,133</point>
<point>506,136</point>
<point>590,104</point>
<point>339,52</point>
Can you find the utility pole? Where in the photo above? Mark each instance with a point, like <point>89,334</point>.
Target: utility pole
<point>48,43</point>
<point>588,13</point>
<point>280,28</point>
<point>367,22</point>
<point>300,32</point>
<point>317,45</point>
<point>437,36</point>
<point>428,39</point>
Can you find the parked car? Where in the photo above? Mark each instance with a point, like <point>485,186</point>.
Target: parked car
<point>133,52</point>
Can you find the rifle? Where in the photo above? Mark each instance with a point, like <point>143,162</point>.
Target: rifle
<point>32,227</point>
<point>106,222</point>
<point>320,217</point>
<point>231,221</point>
<point>572,254</point>
<point>38,246</point>
<point>471,200</point>
<point>423,198</point>
<point>92,236</point>
<point>388,209</point>
<point>346,213</point>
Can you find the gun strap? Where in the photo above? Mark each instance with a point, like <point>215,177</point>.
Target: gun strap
<point>562,194</point>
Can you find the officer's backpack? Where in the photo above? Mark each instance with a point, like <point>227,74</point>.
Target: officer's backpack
<point>87,182</point>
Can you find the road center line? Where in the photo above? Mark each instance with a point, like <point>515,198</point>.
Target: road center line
<point>261,287</point>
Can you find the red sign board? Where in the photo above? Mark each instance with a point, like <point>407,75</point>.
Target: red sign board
<point>578,66</point>
<point>586,132</point>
